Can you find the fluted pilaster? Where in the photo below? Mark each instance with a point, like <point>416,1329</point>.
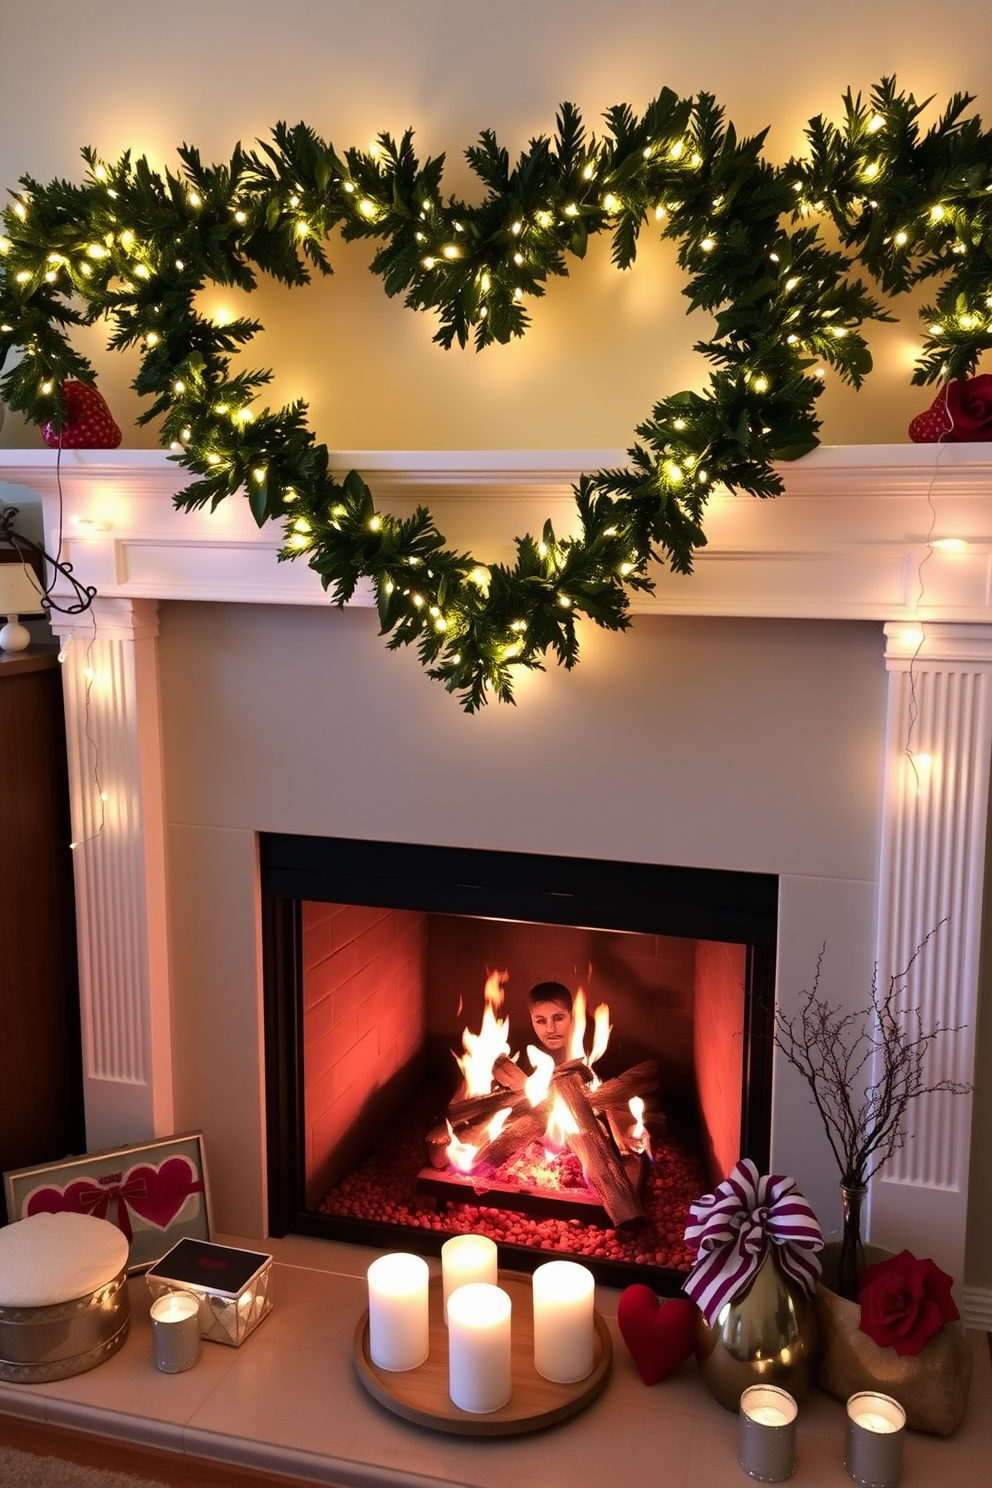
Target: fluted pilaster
<point>938,748</point>
<point>110,684</point>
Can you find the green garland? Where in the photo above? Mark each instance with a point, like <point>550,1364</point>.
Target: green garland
<point>135,246</point>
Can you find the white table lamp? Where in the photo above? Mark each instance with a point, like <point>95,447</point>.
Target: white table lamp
<point>20,594</point>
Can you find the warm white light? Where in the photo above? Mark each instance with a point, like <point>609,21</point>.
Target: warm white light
<point>708,244</point>
<point>950,544</point>
<point>178,387</point>
<point>871,170</point>
<point>375,523</point>
<point>429,263</point>
<point>241,216</point>
<point>367,207</point>
<point>194,199</point>
<point>152,339</point>
<point>937,213</point>
<point>610,202</point>
<point>141,271</point>
<point>901,238</point>
<point>451,250</point>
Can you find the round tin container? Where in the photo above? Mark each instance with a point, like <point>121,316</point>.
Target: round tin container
<point>38,1344</point>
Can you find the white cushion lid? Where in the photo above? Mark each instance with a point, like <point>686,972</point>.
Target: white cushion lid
<point>51,1258</point>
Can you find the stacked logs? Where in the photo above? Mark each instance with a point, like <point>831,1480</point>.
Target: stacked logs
<point>600,1115</point>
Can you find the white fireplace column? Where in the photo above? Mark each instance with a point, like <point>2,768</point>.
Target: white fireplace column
<point>110,684</point>
<point>934,823</point>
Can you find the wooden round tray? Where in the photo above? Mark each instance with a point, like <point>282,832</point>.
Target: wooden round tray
<point>421,1394</point>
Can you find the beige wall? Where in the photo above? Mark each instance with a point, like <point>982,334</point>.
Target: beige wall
<point>604,346</point>
<point>753,745</point>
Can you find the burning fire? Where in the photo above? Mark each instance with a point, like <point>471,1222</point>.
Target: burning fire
<point>638,1137</point>
<point>482,1049</point>
<point>602,1027</point>
<point>561,1125</point>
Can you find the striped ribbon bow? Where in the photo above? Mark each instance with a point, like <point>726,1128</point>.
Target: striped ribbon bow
<point>732,1230</point>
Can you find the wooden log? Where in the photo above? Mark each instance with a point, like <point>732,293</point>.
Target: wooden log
<point>515,1136</point>
<point>640,1079</point>
<point>509,1073</point>
<point>601,1164</point>
<point>476,1108</point>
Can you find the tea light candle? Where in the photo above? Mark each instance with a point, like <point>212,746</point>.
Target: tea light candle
<point>563,1321</point>
<point>175,1332</point>
<point>479,1347</point>
<point>768,1433</point>
<point>875,1432</point>
<point>465,1259</point>
<point>399,1336</point>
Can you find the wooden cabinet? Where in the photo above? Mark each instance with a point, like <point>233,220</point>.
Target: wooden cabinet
<point>41,1096</point>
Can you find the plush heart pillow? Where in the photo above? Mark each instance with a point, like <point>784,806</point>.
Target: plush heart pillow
<point>659,1335</point>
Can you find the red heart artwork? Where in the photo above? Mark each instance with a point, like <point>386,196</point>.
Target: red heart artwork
<point>157,1194</point>
<point>659,1335</point>
<point>89,424</point>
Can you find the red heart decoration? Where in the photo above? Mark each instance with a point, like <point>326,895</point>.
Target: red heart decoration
<point>157,1194</point>
<point>89,424</point>
<point>659,1335</point>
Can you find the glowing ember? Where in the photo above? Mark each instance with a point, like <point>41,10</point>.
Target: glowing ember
<point>561,1125</point>
<point>482,1049</point>
<point>639,1138</point>
<point>537,1085</point>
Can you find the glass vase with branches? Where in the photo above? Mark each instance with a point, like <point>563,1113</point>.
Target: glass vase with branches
<point>864,1068</point>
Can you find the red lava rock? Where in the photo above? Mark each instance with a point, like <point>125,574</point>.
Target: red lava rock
<point>383,1188</point>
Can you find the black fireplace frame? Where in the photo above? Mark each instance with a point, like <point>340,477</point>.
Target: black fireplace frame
<point>696,903</point>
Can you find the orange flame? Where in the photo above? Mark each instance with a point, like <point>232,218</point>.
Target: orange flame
<point>461,1155</point>
<point>639,1137</point>
<point>498,1122</point>
<point>482,1049</point>
<point>602,1028</point>
<point>561,1124</point>
<point>537,1085</point>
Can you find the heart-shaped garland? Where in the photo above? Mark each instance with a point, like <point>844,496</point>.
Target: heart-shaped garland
<point>136,246</point>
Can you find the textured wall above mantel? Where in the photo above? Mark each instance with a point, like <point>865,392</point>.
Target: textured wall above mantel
<point>846,541</point>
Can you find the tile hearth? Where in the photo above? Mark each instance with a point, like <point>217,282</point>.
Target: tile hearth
<point>289,1401</point>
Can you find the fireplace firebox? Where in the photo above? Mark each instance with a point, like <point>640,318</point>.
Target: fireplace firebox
<point>404,1061</point>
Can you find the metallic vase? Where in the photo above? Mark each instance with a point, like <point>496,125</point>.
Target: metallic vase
<point>768,1336</point>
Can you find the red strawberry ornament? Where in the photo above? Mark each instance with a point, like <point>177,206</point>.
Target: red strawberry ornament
<point>89,424</point>
<point>659,1335</point>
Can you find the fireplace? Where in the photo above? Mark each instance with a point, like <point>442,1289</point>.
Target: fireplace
<point>754,719</point>
<point>383,959</point>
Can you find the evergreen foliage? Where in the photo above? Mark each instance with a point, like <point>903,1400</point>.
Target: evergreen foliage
<point>135,246</point>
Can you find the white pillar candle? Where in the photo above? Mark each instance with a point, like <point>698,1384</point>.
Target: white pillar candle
<point>564,1332</point>
<point>399,1336</point>
<point>479,1347</point>
<point>464,1259</point>
<point>175,1332</point>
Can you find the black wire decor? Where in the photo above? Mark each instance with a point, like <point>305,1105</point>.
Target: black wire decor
<point>27,550</point>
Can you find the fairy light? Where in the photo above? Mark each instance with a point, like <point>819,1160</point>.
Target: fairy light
<point>100,172</point>
<point>451,250</point>
<point>544,219</point>
<point>429,263</point>
<point>194,199</point>
<point>875,123</point>
<point>367,207</point>
<point>675,152</point>
<point>871,170</point>
<point>213,459</point>
<point>673,471</point>
<point>937,213</point>
<point>901,239</point>
<point>240,217</point>
<point>760,384</point>
<point>790,284</point>
<point>303,229</point>
<point>141,271</point>
<point>179,387</point>
<point>610,203</point>
<point>571,210</point>
<point>518,227</point>
<point>375,523</point>
<point>259,474</point>
<point>4,244</point>
<point>152,338</point>
<point>20,210</point>
<point>22,277</point>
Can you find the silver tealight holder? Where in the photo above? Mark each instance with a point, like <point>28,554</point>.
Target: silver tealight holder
<point>875,1432</point>
<point>175,1332</point>
<point>768,1433</point>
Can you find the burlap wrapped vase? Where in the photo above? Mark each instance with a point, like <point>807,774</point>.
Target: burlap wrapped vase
<point>931,1386</point>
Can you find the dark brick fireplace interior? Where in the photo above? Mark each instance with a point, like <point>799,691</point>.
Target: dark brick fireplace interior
<point>376,956</point>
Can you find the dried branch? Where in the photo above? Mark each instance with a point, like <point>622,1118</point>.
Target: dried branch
<point>832,1050</point>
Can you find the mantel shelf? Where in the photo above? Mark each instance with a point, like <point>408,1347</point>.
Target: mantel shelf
<point>845,541</point>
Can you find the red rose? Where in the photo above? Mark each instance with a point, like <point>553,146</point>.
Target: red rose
<point>960,413</point>
<point>904,1301</point>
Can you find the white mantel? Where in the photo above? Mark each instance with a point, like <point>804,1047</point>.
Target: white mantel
<point>847,541</point>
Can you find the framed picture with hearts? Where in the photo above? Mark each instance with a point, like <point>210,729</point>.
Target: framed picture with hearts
<point>156,1193</point>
